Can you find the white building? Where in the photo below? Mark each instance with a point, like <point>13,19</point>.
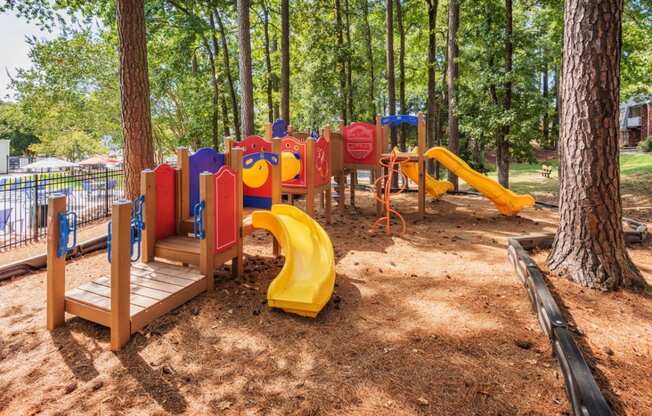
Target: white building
<point>4,156</point>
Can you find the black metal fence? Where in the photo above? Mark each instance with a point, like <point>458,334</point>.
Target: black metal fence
<point>24,201</point>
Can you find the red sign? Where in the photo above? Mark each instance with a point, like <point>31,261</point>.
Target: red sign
<point>359,144</point>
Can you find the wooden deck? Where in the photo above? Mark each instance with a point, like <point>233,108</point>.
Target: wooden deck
<point>156,288</point>
<point>180,248</point>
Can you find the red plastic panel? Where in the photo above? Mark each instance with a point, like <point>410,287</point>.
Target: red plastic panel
<point>359,144</point>
<point>322,161</point>
<point>166,206</point>
<point>253,144</point>
<point>226,209</point>
<point>296,146</point>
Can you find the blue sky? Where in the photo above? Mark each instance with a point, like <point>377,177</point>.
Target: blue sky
<point>13,48</point>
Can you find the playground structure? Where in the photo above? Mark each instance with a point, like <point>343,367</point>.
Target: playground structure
<point>156,236</point>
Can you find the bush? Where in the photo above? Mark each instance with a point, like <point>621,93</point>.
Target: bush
<point>646,145</point>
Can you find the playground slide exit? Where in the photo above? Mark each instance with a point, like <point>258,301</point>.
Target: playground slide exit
<point>306,282</point>
<point>434,187</point>
<point>507,202</point>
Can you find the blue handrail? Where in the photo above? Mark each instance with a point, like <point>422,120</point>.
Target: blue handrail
<point>136,231</point>
<point>65,229</point>
<point>397,120</point>
<point>198,224</point>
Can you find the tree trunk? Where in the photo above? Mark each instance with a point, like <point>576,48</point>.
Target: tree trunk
<point>555,120</point>
<point>502,141</point>
<point>134,93</point>
<point>431,121</point>
<point>545,121</point>
<point>401,71</point>
<point>268,63</point>
<point>341,61</point>
<point>453,119</point>
<point>370,58</point>
<point>229,77</point>
<point>215,81</point>
<point>391,78</point>
<point>225,115</point>
<point>285,60</point>
<point>349,70</point>
<point>589,247</point>
<point>246,81</point>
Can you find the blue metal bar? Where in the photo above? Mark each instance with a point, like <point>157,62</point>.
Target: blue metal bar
<point>198,223</point>
<point>65,229</point>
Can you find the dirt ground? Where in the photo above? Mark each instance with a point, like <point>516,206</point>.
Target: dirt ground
<point>434,322</point>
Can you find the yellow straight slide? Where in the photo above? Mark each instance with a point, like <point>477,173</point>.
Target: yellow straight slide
<point>434,187</point>
<point>307,279</point>
<point>507,202</point>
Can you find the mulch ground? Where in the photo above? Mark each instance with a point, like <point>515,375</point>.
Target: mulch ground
<point>434,322</point>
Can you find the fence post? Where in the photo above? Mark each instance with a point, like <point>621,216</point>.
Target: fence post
<point>36,208</point>
<point>106,191</point>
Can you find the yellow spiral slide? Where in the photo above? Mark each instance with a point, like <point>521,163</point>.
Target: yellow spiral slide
<point>507,202</point>
<point>305,283</point>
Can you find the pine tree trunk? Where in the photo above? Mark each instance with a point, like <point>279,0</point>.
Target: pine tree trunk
<point>285,60</point>
<point>502,141</point>
<point>391,77</point>
<point>589,247</point>
<point>134,93</point>
<point>246,81</point>
<point>341,61</point>
<point>401,76</point>
<point>370,58</point>
<point>453,119</point>
<point>225,115</point>
<point>212,53</point>
<point>349,69</point>
<point>268,63</point>
<point>545,121</point>
<point>431,121</point>
<point>229,77</point>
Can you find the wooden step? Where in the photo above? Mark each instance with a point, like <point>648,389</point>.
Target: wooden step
<point>178,248</point>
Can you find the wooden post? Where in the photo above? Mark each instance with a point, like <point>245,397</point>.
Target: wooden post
<point>183,164</point>
<point>310,168</point>
<point>148,189</point>
<point>421,143</point>
<point>277,183</point>
<point>268,131</point>
<point>340,177</point>
<point>207,245</point>
<point>120,273</point>
<point>380,148</point>
<point>228,145</point>
<point>236,165</point>
<point>56,274</point>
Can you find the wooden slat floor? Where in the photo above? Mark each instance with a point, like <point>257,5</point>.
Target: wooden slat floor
<point>151,285</point>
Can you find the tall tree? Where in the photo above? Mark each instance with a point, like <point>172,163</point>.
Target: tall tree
<point>268,62</point>
<point>229,77</point>
<point>341,62</point>
<point>134,93</point>
<point>401,71</point>
<point>246,80</point>
<point>364,4</point>
<point>502,139</point>
<point>391,76</point>
<point>589,246</point>
<point>431,121</point>
<point>349,66</point>
<point>451,76</point>
<point>544,93</point>
<point>285,60</point>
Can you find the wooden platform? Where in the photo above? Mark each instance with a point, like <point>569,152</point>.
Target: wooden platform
<point>156,288</point>
<point>401,157</point>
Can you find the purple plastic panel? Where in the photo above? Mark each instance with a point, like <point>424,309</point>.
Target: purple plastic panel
<point>205,159</point>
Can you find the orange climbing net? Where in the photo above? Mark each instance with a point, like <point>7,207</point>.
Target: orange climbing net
<point>391,166</point>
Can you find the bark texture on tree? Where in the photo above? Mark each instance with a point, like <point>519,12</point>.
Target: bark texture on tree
<point>401,71</point>
<point>285,60</point>
<point>452,70</point>
<point>341,62</point>
<point>370,58</point>
<point>431,120</point>
<point>391,76</point>
<point>349,65</point>
<point>134,93</point>
<point>246,81</point>
<point>229,77</point>
<point>502,140</point>
<point>589,247</point>
<point>268,63</point>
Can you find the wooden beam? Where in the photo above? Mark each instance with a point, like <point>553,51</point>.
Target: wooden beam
<point>148,189</point>
<point>120,273</point>
<point>56,274</point>
<point>207,244</point>
<point>183,163</point>
<point>268,131</point>
<point>310,169</point>
<point>378,170</point>
<point>236,165</point>
<point>421,143</point>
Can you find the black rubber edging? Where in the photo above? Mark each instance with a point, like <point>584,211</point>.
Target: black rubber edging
<point>582,389</point>
<point>38,262</point>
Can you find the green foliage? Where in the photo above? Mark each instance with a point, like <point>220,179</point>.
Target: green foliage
<point>15,127</point>
<point>646,145</point>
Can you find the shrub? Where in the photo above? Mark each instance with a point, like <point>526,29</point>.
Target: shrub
<point>646,145</point>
